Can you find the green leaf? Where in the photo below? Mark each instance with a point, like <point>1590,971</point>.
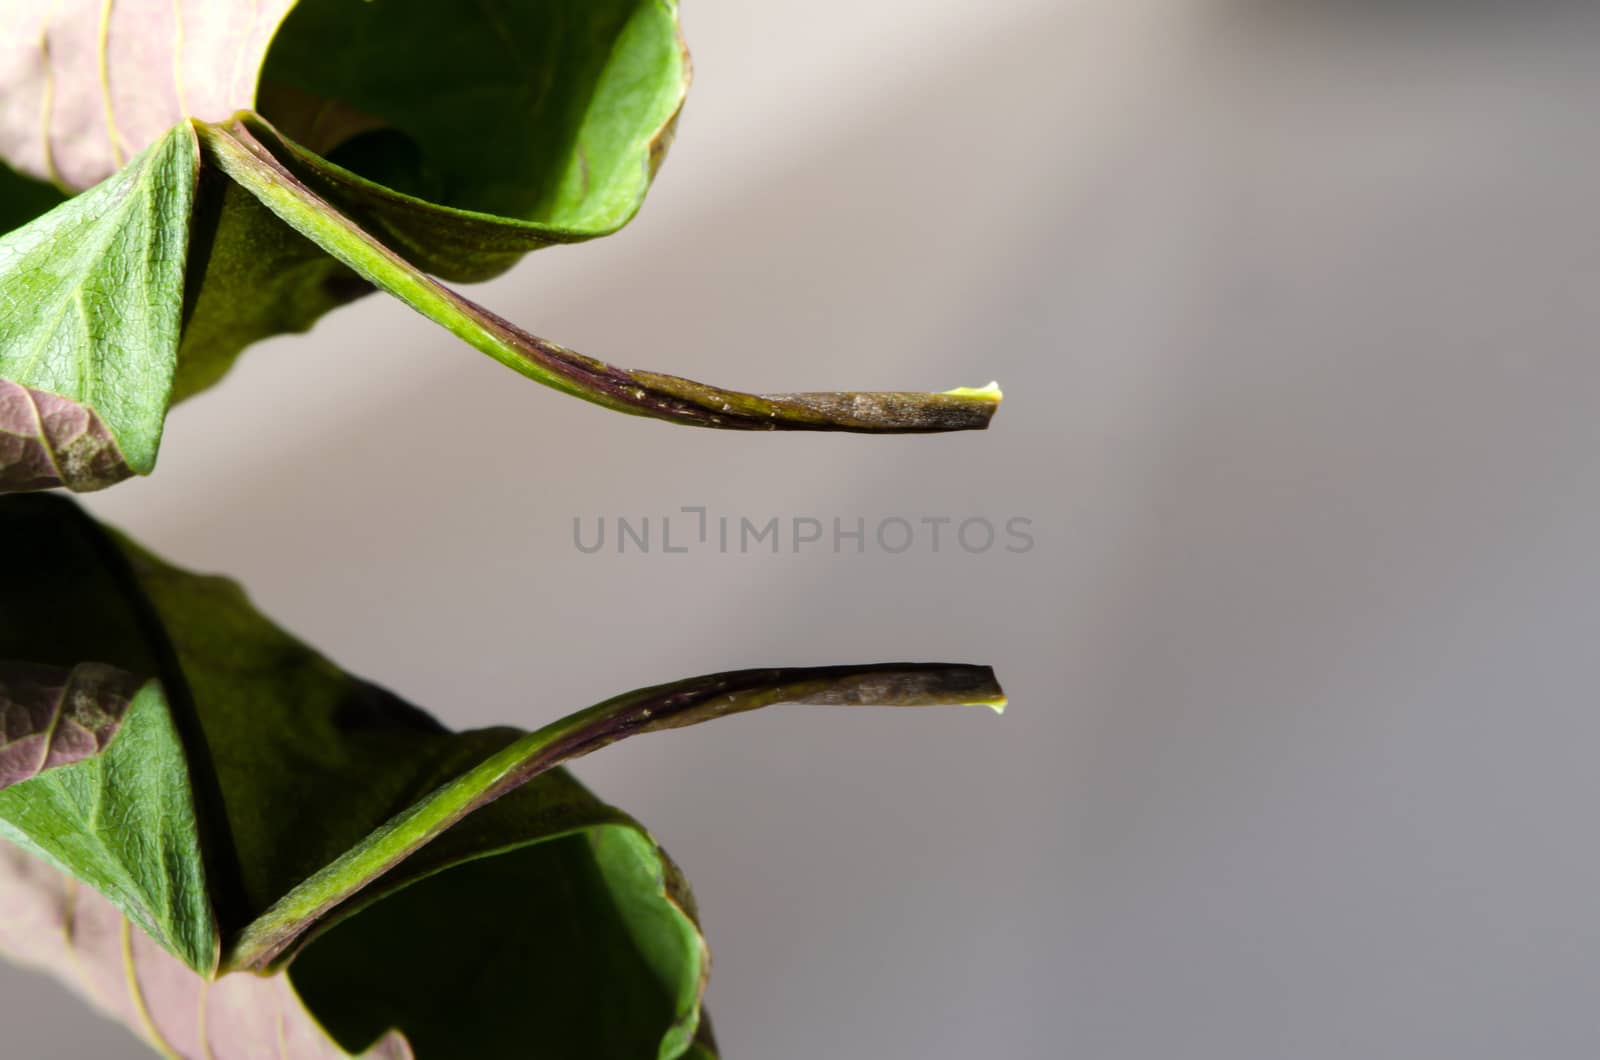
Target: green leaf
<point>89,339</point>
<point>245,802</point>
<point>546,118</point>
<point>565,948</point>
<point>445,140</point>
<point>123,822</point>
<point>465,136</point>
<point>117,814</point>
<point>555,142</point>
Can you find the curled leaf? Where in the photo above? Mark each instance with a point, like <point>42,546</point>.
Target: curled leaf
<point>446,141</point>
<point>252,807</point>
<point>467,136</point>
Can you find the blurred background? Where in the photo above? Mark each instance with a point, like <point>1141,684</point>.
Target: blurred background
<point>1295,308</point>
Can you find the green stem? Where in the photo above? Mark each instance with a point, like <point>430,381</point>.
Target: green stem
<point>235,150</point>
<point>335,890</point>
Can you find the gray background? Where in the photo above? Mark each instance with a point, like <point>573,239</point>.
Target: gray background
<point>1295,307</point>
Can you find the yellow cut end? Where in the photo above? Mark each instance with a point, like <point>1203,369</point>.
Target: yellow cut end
<point>985,393</point>
<point>997,704</point>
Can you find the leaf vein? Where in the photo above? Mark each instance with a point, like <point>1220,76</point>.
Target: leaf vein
<point>103,58</point>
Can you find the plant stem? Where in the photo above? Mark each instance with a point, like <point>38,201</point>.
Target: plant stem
<point>234,149</point>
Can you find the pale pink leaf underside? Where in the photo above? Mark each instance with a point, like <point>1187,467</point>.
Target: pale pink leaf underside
<point>87,84</point>
<point>51,923</point>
